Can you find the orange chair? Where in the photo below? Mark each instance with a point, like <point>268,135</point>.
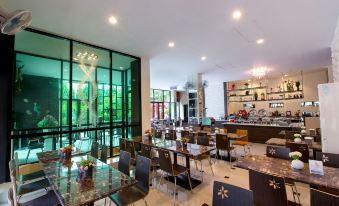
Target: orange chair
<point>223,131</point>
<point>207,129</point>
<point>243,141</point>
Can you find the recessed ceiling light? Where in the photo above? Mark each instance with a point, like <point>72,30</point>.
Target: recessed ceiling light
<point>112,20</point>
<point>121,67</point>
<point>285,75</point>
<point>260,41</point>
<point>203,58</point>
<point>237,14</point>
<point>171,44</point>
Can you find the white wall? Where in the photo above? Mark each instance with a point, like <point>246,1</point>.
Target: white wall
<point>145,94</point>
<point>214,96</point>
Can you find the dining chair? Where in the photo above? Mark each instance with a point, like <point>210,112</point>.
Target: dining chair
<point>124,162</point>
<point>283,153</point>
<point>48,199</point>
<point>171,135</point>
<point>267,189</point>
<point>197,129</point>
<point>203,141</point>
<point>131,149</point>
<point>173,170</point>
<point>226,194</point>
<point>23,189</point>
<point>22,178</point>
<point>328,159</point>
<point>207,129</point>
<point>323,198</point>
<point>222,144</point>
<point>122,143</point>
<point>35,143</point>
<point>191,138</point>
<point>243,141</point>
<point>300,147</point>
<point>289,135</point>
<point>278,152</point>
<point>103,155</point>
<point>146,151</point>
<point>138,191</point>
<point>95,150</point>
<point>222,131</point>
<point>184,133</point>
<point>158,134</point>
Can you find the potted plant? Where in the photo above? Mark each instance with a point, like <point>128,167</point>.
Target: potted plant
<point>296,163</point>
<point>184,142</point>
<point>86,170</point>
<point>289,86</point>
<point>255,96</point>
<point>297,84</point>
<point>297,138</point>
<point>149,134</point>
<point>48,121</point>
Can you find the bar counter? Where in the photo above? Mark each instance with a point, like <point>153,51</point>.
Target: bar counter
<point>258,133</point>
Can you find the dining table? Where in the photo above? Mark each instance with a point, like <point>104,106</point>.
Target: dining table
<point>63,177</point>
<point>191,152</point>
<point>281,167</point>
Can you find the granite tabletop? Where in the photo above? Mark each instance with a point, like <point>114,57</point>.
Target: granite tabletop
<point>63,175</point>
<point>283,168</point>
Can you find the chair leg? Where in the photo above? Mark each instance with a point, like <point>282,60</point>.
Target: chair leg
<point>29,151</point>
<point>146,202</point>
<point>189,180</point>
<point>209,159</point>
<point>201,171</point>
<point>175,188</point>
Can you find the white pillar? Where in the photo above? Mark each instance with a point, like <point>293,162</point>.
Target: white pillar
<point>145,94</point>
<point>335,54</point>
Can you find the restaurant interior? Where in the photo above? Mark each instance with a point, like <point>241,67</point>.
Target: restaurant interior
<point>192,103</point>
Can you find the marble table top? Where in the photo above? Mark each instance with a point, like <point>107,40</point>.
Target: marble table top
<point>63,178</point>
<point>171,145</point>
<point>283,168</point>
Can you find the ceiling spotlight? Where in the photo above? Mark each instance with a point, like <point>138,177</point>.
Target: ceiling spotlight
<point>260,41</point>
<point>203,58</point>
<point>285,75</point>
<point>121,67</point>
<point>112,20</point>
<point>259,72</point>
<point>237,14</point>
<point>171,44</point>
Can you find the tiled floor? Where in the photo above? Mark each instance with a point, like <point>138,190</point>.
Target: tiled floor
<point>203,193</point>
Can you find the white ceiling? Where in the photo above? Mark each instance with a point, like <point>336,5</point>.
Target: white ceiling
<point>297,34</point>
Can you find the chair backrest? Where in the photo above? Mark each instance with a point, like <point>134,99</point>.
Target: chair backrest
<point>202,134</point>
<point>267,189</point>
<point>171,135</point>
<point>146,151</point>
<point>197,128</point>
<point>191,138</point>
<point>122,144</point>
<point>221,142</point>
<point>130,148</point>
<point>226,194</point>
<point>289,135</point>
<point>242,132</point>
<point>142,172</point>
<point>278,152</point>
<point>223,131</point>
<point>158,134</point>
<point>95,149</point>
<point>322,198</point>
<point>207,129</point>
<point>185,133</point>
<point>103,155</point>
<point>203,140</point>
<point>328,159</point>
<point>300,147</point>
<point>124,162</point>
<point>165,161</point>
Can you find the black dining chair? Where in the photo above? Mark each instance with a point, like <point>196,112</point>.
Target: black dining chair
<point>95,150</point>
<point>171,135</point>
<point>131,149</point>
<point>103,155</point>
<point>35,143</point>
<point>267,189</point>
<point>323,198</point>
<point>226,194</point>
<point>328,159</point>
<point>146,151</point>
<point>122,143</point>
<point>23,189</point>
<point>22,178</point>
<point>138,191</point>
<point>283,153</point>
<point>278,152</point>
<point>185,133</point>
<point>173,170</point>
<point>124,162</point>
<point>203,141</point>
<point>158,134</point>
<point>300,147</point>
<point>191,139</point>
<point>222,144</point>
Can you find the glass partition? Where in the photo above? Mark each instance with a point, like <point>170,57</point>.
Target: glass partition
<point>67,92</point>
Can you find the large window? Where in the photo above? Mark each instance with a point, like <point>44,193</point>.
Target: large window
<point>68,92</point>
<point>162,105</point>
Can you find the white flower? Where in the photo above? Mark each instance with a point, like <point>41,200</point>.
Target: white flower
<point>297,135</point>
<point>223,193</point>
<point>291,154</point>
<point>274,184</point>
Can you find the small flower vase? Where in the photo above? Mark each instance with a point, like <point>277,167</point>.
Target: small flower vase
<point>67,155</point>
<point>184,145</point>
<point>303,132</point>
<point>297,164</point>
<point>85,174</point>
<point>297,140</point>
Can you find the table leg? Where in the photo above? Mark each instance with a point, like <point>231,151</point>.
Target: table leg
<point>175,158</point>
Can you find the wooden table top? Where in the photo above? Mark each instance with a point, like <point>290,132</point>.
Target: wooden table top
<point>283,168</point>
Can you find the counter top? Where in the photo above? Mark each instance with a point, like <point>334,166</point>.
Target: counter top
<point>252,124</point>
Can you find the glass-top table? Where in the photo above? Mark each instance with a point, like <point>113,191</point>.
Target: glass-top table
<point>63,178</point>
